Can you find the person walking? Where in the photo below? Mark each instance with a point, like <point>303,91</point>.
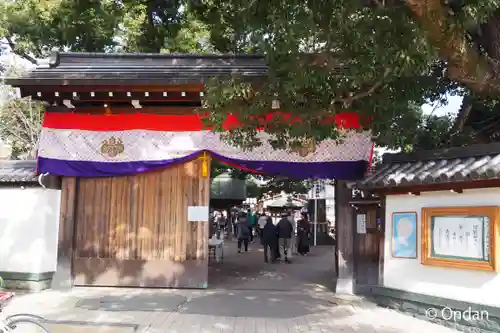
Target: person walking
<point>261,224</point>
<point>284,231</point>
<point>234,219</point>
<point>268,239</point>
<point>303,232</point>
<point>251,222</point>
<point>213,227</point>
<point>243,231</point>
<point>221,225</point>
<point>226,217</point>
<point>293,241</point>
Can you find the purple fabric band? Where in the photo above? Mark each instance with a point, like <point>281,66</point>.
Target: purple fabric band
<point>345,170</point>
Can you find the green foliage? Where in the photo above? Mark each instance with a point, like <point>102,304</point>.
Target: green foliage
<point>371,57</point>
<point>217,168</point>
<point>253,189</point>
<point>357,61</point>
<point>150,25</point>
<point>276,185</point>
<point>432,134</point>
<point>35,27</point>
<point>20,126</point>
<point>377,58</point>
<point>268,183</point>
<point>20,120</point>
<point>192,37</point>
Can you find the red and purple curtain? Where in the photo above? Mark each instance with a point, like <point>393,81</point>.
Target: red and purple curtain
<point>84,145</point>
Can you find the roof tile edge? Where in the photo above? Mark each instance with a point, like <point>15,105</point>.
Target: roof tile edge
<point>156,55</point>
<point>444,153</point>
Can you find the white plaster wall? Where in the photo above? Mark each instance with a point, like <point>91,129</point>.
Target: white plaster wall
<point>29,223</point>
<point>411,275</point>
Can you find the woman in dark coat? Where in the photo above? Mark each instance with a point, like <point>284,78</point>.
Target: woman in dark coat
<point>243,230</point>
<point>303,231</point>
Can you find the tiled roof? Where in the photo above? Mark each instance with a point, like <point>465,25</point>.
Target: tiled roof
<point>460,164</point>
<point>75,68</point>
<point>285,201</point>
<point>489,128</point>
<point>18,171</point>
<point>224,187</point>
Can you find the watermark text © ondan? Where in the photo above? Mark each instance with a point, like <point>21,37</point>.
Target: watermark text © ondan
<point>449,314</point>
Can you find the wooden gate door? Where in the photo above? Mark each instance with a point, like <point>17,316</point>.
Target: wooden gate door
<point>367,249</point>
<point>134,230</point>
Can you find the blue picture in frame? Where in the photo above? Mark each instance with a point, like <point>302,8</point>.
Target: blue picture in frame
<point>404,235</point>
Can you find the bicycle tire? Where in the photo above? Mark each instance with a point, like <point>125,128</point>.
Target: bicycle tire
<point>12,323</point>
<point>25,315</point>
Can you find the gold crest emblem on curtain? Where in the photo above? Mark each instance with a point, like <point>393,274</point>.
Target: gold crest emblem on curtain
<point>304,148</point>
<point>112,147</point>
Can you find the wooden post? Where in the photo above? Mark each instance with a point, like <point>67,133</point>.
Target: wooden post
<point>344,229</point>
<point>381,215</point>
<point>63,277</point>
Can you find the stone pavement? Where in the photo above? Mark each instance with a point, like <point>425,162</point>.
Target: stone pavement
<point>124,310</point>
<point>245,295</point>
<point>247,271</point>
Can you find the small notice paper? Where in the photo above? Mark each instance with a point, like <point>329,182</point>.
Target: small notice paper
<point>198,213</point>
<point>361,223</point>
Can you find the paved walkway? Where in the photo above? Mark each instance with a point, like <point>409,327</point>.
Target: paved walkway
<point>247,271</point>
<point>246,295</point>
<point>121,310</point>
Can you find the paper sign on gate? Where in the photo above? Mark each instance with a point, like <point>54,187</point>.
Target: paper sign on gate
<point>198,213</point>
<point>361,223</point>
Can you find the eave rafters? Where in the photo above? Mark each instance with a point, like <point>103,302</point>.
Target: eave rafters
<point>105,96</point>
<point>82,80</point>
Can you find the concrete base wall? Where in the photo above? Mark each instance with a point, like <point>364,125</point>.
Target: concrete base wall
<point>461,316</point>
<point>26,281</point>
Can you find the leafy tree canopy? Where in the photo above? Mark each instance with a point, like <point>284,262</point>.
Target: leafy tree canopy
<point>275,185</point>
<point>380,58</point>
<point>20,119</point>
<point>257,184</point>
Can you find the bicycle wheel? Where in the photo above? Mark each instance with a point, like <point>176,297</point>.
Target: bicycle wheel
<point>25,325</point>
<point>25,315</point>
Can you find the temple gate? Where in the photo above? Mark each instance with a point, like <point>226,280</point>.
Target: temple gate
<point>122,132</point>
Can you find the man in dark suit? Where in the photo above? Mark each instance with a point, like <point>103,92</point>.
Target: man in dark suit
<point>269,239</point>
<point>284,231</point>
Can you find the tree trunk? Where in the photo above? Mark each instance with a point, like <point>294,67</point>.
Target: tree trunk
<point>465,63</point>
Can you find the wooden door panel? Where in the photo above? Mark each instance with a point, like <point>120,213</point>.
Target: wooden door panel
<point>367,251</point>
<point>133,231</point>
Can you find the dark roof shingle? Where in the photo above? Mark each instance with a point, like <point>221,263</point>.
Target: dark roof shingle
<point>75,68</point>
<point>460,164</point>
<point>18,172</point>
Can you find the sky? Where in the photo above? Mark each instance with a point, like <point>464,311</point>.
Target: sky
<point>454,103</point>
<point>451,107</point>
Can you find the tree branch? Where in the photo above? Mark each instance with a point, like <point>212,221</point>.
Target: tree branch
<point>347,101</point>
<point>326,60</point>
<point>464,63</point>
<point>7,130</point>
<point>18,52</point>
